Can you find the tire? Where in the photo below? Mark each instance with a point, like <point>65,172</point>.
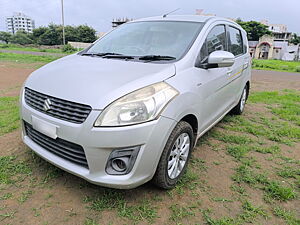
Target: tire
<point>239,108</point>
<point>164,177</point>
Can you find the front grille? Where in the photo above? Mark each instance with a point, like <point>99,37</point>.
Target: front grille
<point>65,149</point>
<point>59,108</point>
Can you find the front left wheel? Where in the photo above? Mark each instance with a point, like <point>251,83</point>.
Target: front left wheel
<point>175,156</point>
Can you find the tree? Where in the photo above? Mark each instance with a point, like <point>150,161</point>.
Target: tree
<point>52,35</point>
<point>295,39</point>
<point>36,34</point>
<point>71,33</point>
<point>254,29</point>
<point>86,34</point>
<point>22,38</point>
<point>5,36</point>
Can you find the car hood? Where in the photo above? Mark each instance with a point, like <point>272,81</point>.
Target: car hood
<point>95,81</point>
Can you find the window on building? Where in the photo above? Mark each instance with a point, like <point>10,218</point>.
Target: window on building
<point>235,41</point>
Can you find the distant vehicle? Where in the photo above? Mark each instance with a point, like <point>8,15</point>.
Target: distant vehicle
<point>130,108</point>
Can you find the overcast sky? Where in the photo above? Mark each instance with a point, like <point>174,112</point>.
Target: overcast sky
<point>99,13</point>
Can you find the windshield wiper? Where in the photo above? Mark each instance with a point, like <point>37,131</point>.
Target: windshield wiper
<point>156,57</point>
<point>109,55</point>
<point>100,54</point>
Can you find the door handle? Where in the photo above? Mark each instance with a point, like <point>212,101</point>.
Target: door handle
<point>229,72</point>
<point>245,65</point>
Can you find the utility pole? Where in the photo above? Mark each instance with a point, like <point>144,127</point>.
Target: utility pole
<point>63,21</point>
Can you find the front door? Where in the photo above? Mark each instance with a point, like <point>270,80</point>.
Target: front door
<point>214,90</point>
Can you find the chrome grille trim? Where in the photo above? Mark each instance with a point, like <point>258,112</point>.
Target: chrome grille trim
<point>61,109</point>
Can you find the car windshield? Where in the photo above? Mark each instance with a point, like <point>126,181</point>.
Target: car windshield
<point>163,40</point>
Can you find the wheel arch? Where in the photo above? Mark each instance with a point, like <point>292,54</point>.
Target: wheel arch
<point>193,121</point>
<point>248,88</point>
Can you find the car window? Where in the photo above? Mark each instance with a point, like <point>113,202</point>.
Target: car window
<point>170,38</point>
<point>245,41</point>
<point>235,41</point>
<point>215,40</point>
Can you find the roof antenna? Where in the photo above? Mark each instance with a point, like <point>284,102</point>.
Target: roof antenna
<point>165,15</point>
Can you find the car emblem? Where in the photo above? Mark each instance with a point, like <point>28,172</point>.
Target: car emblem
<point>47,104</point>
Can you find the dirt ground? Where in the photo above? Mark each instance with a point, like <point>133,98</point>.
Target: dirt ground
<point>56,197</point>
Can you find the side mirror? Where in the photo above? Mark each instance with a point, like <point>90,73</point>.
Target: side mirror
<point>219,59</point>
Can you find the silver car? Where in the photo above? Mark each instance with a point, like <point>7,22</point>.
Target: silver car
<point>130,108</point>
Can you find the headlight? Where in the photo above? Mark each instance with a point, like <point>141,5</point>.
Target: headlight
<point>137,107</point>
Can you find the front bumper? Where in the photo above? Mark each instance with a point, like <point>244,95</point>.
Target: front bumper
<point>98,143</point>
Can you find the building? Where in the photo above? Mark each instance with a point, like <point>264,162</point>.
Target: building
<point>276,45</point>
<point>200,12</point>
<point>119,21</point>
<point>19,21</point>
<point>279,31</point>
<point>268,47</point>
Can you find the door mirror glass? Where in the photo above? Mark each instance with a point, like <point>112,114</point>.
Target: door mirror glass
<point>219,59</point>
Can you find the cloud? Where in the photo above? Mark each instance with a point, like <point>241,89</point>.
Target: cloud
<point>99,14</point>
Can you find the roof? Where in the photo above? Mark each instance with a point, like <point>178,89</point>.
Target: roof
<point>292,48</point>
<point>280,44</point>
<point>252,44</point>
<point>189,18</point>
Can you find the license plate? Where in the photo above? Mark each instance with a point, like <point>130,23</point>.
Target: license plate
<point>44,127</point>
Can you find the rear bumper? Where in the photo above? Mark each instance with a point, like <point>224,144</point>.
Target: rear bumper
<point>98,143</point>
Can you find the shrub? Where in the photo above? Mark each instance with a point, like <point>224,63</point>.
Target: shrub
<point>68,48</point>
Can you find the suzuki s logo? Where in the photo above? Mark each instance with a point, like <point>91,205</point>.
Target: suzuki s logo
<point>47,104</point>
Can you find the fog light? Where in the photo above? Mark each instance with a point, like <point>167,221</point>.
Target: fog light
<point>120,164</point>
<point>121,161</point>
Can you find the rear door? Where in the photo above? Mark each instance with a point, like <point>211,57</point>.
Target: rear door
<point>238,48</point>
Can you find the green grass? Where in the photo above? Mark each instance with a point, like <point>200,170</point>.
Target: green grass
<point>9,114</point>
<point>29,49</point>
<point>25,58</point>
<point>276,65</point>
<point>284,104</point>
<point>6,215</point>
<point>6,196</point>
<point>24,196</point>
<point>244,174</point>
<point>109,199</point>
<point>287,215</point>
<point>232,139</point>
<point>188,181</point>
<point>277,191</point>
<point>239,189</point>
<point>251,212</point>
<point>143,211</point>
<point>180,212</point>
<point>248,215</point>
<point>89,221</point>
<point>272,189</point>
<point>289,172</point>
<point>282,128</point>
<point>238,151</point>
<point>12,170</point>
<point>112,199</point>
<point>274,149</point>
<point>221,221</point>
